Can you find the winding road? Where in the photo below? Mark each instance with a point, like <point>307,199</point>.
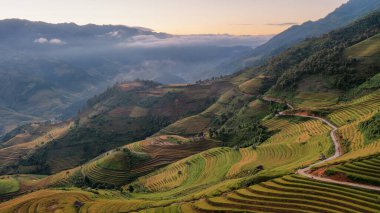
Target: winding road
<point>306,172</point>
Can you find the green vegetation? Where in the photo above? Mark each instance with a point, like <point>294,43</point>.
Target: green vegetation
<point>367,87</point>
<point>371,128</point>
<point>125,113</point>
<point>215,171</point>
<point>217,145</point>
<point>244,134</point>
<point>365,49</point>
<point>8,185</point>
<point>325,55</point>
<point>123,165</point>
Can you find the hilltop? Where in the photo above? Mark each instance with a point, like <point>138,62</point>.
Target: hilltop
<point>342,16</point>
<point>297,134</point>
<point>57,67</point>
<point>125,113</point>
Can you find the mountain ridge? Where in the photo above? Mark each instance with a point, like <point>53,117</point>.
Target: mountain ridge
<point>348,12</point>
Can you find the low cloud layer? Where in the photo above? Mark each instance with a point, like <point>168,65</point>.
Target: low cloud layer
<point>43,40</point>
<point>191,40</point>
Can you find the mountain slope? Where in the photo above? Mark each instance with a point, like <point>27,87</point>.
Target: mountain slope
<point>347,13</point>
<point>123,114</point>
<point>322,65</point>
<point>334,78</point>
<point>57,67</point>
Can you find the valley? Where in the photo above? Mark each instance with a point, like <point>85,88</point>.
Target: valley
<point>297,132</point>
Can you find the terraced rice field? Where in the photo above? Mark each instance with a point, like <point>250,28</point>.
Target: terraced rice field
<point>312,100</point>
<point>12,154</point>
<point>248,157</point>
<point>348,116</point>
<point>295,132</point>
<point>26,183</point>
<point>159,151</point>
<point>217,170</point>
<point>363,170</point>
<point>292,194</point>
<point>277,155</point>
<point>287,194</point>
<point>57,180</point>
<point>198,171</point>
<point>169,209</point>
<point>201,122</point>
<point>45,201</point>
<point>355,110</point>
<point>188,126</point>
<point>252,86</point>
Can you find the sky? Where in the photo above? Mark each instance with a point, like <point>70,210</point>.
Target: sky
<point>236,17</point>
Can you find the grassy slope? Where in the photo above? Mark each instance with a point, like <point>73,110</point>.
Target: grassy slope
<point>366,49</point>
<point>212,172</point>
<point>115,168</point>
<point>290,193</point>
<point>368,53</point>
<point>8,185</point>
<point>123,114</point>
<point>318,72</point>
<point>296,143</point>
<point>26,143</point>
<point>278,155</point>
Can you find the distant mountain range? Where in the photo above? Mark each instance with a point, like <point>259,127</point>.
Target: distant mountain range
<point>48,70</point>
<point>347,13</point>
<point>298,134</point>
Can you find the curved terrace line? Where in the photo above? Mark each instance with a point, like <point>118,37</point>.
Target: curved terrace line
<point>306,172</point>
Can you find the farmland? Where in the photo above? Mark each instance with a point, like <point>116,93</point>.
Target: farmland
<point>300,133</point>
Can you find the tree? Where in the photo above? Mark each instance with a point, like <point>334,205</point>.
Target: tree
<point>130,188</point>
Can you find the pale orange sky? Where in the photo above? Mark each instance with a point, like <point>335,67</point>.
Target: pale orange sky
<point>239,17</point>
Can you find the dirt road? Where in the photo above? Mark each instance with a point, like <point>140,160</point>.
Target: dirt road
<point>306,172</point>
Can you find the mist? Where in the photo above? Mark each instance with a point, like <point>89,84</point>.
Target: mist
<point>57,67</point>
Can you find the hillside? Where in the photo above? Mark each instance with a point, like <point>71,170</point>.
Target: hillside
<point>204,177</point>
<point>57,67</point>
<point>347,13</point>
<point>323,67</point>
<point>123,114</point>
<point>297,134</point>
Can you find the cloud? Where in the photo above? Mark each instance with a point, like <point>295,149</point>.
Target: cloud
<point>43,40</point>
<point>56,41</point>
<point>115,34</point>
<point>283,24</point>
<point>191,40</point>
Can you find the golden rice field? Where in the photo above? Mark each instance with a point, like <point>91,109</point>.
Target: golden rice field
<point>207,179</point>
<point>117,168</point>
<point>356,110</point>
<point>291,193</point>
<point>348,116</point>
<point>365,170</point>
<point>213,166</point>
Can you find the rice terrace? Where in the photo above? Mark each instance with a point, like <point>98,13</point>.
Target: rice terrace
<point>271,116</point>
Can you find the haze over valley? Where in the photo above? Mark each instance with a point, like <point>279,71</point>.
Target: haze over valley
<point>240,106</point>
<point>56,67</point>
